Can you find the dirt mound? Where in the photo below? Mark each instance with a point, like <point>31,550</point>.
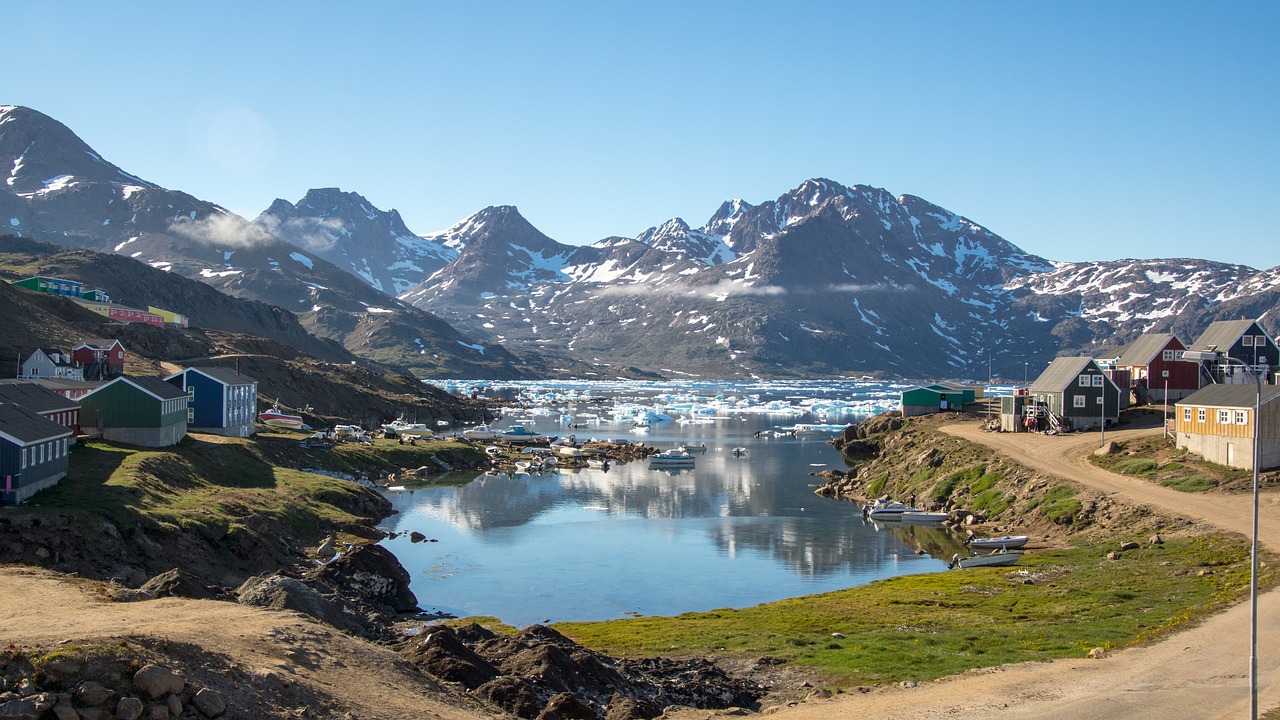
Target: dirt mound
<point>541,673</point>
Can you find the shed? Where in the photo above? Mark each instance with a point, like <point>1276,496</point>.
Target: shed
<point>143,411</point>
<point>1217,424</point>
<point>930,399</point>
<point>219,400</point>
<point>33,453</point>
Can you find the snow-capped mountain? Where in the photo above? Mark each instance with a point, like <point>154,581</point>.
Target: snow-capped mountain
<point>348,231</point>
<point>58,189</point>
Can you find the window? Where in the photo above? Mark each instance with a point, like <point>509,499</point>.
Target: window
<point>24,459</point>
<point>1242,417</point>
<point>1167,355</point>
<point>191,393</point>
<point>1186,414</point>
<point>191,415</point>
<point>1224,417</point>
<point>1099,380</point>
<point>1079,401</point>
<point>1247,341</point>
<point>1260,341</point>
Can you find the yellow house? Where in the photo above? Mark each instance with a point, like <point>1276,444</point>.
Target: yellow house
<point>170,317</point>
<point>1217,423</point>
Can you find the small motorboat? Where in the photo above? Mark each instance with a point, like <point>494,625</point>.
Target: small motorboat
<point>1006,542</point>
<point>481,432</point>
<point>279,418</point>
<point>671,458</point>
<point>888,510</point>
<point>999,558</point>
<point>691,448</point>
<point>518,434</point>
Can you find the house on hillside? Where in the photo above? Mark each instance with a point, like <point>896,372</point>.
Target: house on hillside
<point>219,400</point>
<point>51,363</point>
<point>1156,369</point>
<point>1244,340</point>
<point>52,286</point>
<point>1217,424</point>
<point>100,358</point>
<point>44,402</point>
<point>143,410</point>
<point>1073,393</point>
<point>70,389</point>
<point>170,317</point>
<point>33,453</point>
<point>931,399</point>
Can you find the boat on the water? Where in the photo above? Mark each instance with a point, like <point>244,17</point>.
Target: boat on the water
<point>518,434</point>
<point>694,448</point>
<point>999,558</point>
<point>1006,542</point>
<point>279,418</point>
<point>888,510</point>
<point>671,458</point>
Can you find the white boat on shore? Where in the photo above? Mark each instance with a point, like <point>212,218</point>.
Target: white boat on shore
<point>279,418</point>
<point>481,432</point>
<point>1006,542</point>
<point>999,558</point>
<point>518,434</point>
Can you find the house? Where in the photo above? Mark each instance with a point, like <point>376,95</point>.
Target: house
<point>1155,365</point>
<point>219,400</point>
<point>100,358</point>
<point>170,317</point>
<point>44,402</point>
<point>1244,340</point>
<point>931,399</point>
<point>51,363</point>
<point>142,410</point>
<point>1073,393</point>
<point>70,389</point>
<point>1217,424</point>
<point>52,286</point>
<point>33,453</point>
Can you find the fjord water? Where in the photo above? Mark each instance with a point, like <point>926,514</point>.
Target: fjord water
<point>737,530</point>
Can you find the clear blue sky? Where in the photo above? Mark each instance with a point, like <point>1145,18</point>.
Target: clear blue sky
<point>1076,130</point>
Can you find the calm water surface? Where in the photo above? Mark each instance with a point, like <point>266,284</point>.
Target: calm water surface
<point>591,544</point>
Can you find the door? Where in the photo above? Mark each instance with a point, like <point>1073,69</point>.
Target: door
<point>1231,454</point>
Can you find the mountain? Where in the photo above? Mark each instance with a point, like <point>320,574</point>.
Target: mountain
<point>348,231</point>
<point>59,190</point>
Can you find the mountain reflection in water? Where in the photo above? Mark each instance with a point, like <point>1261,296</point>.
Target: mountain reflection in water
<point>591,544</point>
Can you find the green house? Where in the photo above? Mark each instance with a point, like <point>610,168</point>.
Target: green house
<point>143,411</point>
<point>931,399</point>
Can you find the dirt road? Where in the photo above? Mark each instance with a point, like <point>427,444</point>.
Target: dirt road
<point>1199,673</point>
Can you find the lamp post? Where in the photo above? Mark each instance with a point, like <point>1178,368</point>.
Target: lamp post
<point>1201,356</point>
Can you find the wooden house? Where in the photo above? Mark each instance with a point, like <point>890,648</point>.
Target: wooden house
<point>219,400</point>
<point>44,402</point>
<point>931,399</point>
<point>33,453</point>
<point>1156,367</point>
<point>52,286</point>
<point>1073,393</point>
<point>143,411</point>
<point>51,363</point>
<point>100,358</point>
<point>1217,424</point>
<point>170,317</point>
<point>70,389</point>
<point>1244,340</point>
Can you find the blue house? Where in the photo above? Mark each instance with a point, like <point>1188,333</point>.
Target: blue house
<point>33,453</point>
<point>219,400</point>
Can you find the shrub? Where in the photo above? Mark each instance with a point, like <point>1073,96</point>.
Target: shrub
<point>1190,483</point>
<point>1137,466</point>
<point>947,485</point>
<point>990,502</point>
<point>1060,505</point>
<point>877,486</point>
<point>984,483</point>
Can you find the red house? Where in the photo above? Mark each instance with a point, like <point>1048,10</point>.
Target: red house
<point>100,358</point>
<point>1155,365</point>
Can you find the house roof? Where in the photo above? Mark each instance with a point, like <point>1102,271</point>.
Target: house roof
<point>23,427</point>
<point>1221,335</point>
<point>97,343</point>
<point>35,397</point>
<point>1230,396</point>
<point>53,383</point>
<point>1143,350</point>
<point>226,376</point>
<point>1060,373</point>
<point>152,385</point>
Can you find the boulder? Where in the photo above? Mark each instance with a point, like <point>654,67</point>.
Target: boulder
<point>1097,653</point>
<point>286,593</point>
<point>1108,448</point>
<point>157,681</point>
<point>209,702</point>
<point>180,583</point>
<point>129,708</point>
<point>1126,547</point>
<point>19,709</point>
<point>91,693</point>
<point>1156,539</point>
<point>372,574</point>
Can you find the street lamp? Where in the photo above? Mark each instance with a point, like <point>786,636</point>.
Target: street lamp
<point>1213,356</point>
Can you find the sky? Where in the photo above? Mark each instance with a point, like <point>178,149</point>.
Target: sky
<point>1077,131</point>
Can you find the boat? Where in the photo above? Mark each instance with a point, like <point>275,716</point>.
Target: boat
<point>924,518</point>
<point>1005,542</point>
<point>518,434</point>
<point>570,451</point>
<point>279,418</point>
<point>400,428</point>
<point>699,448</point>
<point>481,432</point>
<point>888,510</point>
<point>671,458</point>
<point>999,558</point>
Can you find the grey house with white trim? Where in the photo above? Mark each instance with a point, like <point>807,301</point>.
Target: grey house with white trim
<point>33,453</point>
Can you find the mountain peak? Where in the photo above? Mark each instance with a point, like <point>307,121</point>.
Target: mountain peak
<point>43,155</point>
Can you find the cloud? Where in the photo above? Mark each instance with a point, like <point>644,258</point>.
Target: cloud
<point>221,229</point>
<point>315,234</point>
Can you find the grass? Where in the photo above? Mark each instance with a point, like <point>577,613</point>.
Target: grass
<point>919,627</point>
<point>1060,505</point>
<point>1191,483</point>
<point>1157,460</point>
